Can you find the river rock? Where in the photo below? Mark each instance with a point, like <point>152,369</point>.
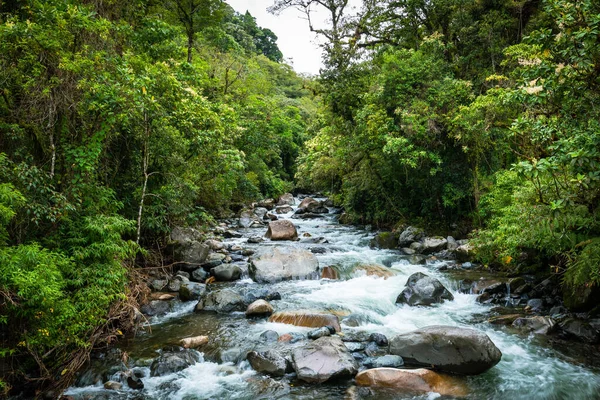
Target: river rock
<point>308,204</point>
<point>193,342</point>
<point>278,264</point>
<point>173,361</point>
<point>252,293</point>
<point>215,245</point>
<point>269,337</point>
<point>159,284</point>
<point>464,252</point>
<point>282,230</point>
<point>319,332</point>
<point>415,381</point>
<point>112,385</point>
<point>389,361</point>
<point>504,319</point>
<point>310,319</point>
<point>247,218</point>
<point>385,240</point>
<point>433,245</point>
<point>191,254</point>
<point>221,301</point>
<point>226,272</point>
<point>155,307</point>
<point>379,338</point>
<point>286,199</point>
<point>199,275</point>
<point>373,270</point>
<point>410,235</point>
<point>260,212</point>
<point>259,308</point>
<point>191,291</point>
<point>174,285</point>
<point>270,362</point>
<point>284,209</point>
<point>537,324</point>
<point>329,273</point>
<point>269,204</point>
<point>452,244</point>
<point>324,359</point>
<point>134,382</point>
<point>423,290</point>
<point>579,330</point>
<point>447,348</point>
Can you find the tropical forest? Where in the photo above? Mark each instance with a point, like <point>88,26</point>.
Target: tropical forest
<point>187,214</point>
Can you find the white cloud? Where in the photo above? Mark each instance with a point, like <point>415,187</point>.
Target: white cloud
<point>296,42</point>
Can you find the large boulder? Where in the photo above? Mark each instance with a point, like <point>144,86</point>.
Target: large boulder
<point>191,291</point>
<point>409,235</point>
<point>423,290</point>
<point>188,249</point>
<point>433,245</point>
<point>415,381</point>
<point>286,199</point>
<point>221,301</point>
<point>155,308</point>
<point>385,240</point>
<point>579,330</point>
<point>308,203</point>
<point>226,272</point>
<point>248,218</point>
<point>270,362</point>
<point>277,264</point>
<point>447,348</point>
<point>173,361</point>
<point>310,319</point>
<point>282,230</point>
<point>324,359</point>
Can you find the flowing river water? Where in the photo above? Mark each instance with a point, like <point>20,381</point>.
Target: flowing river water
<point>528,369</point>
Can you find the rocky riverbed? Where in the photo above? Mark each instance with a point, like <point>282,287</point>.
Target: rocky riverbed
<point>285,302</point>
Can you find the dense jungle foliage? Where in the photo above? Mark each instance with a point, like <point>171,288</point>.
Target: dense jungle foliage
<point>118,121</point>
<point>121,120</point>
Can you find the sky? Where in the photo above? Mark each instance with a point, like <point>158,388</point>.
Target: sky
<point>298,45</point>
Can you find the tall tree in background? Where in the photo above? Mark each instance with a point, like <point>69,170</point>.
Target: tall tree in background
<point>196,15</point>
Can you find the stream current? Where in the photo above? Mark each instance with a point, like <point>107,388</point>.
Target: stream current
<point>528,369</point>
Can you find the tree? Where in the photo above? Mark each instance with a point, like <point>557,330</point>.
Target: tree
<point>195,16</point>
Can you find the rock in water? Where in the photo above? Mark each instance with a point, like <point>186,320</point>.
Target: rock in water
<point>309,319</point>
<point>286,199</point>
<point>226,272</point>
<point>373,270</point>
<point>259,308</point>
<point>448,349</point>
<point>221,301</point>
<point>277,264</point>
<point>173,361</point>
<point>432,245</point>
<point>324,359</point>
<point>193,342</point>
<point>409,235</point>
<point>269,362</point>
<point>412,380</point>
<point>423,290</point>
<point>282,230</point>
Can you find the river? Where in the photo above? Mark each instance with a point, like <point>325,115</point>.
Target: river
<point>528,369</point>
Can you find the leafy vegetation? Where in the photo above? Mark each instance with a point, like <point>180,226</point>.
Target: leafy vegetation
<point>119,121</point>
<point>466,115</point>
